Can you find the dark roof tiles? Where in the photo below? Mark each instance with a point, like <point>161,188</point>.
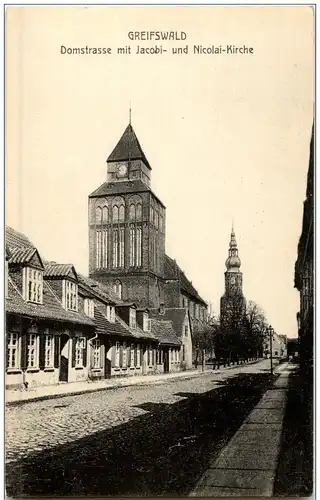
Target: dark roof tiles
<point>173,272</point>
<point>164,332</point>
<point>128,148</point>
<point>16,239</point>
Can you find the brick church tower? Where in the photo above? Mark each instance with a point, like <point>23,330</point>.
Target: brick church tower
<point>127,224</point>
<point>232,303</point>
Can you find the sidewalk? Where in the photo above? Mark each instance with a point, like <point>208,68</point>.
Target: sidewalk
<point>75,388</point>
<point>247,465</point>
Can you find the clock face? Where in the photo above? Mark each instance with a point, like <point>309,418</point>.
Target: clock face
<point>122,170</point>
<point>232,280</point>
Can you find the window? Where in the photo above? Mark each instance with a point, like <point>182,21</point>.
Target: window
<point>115,214</point>
<point>96,353</point>
<point>70,295</point>
<point>48,351</point>
<point>132,212</point>
<point>33,285</point>
<point>121,213</point>
<point>132,318</point>
<point>105,215</point>
<point>80,346</point>
<point>13,350</point>
<point>156,219</point>
<point>115,247</point>
<point>146,322</point>
<point>132,246</point>
<point>98,249</point>
<point>89,307</point>
<point>158,357</point>
<point>186,330</point>
<point>150,355</point>
<point>111,315</point>
<point>139,211</point>
<point>98,215</point>
<point>32,350</point>
<point>132,355</point>
<point>105,249</point>
<point>183,353</point>
<point>155,248</point>
<point>117,288</point>
<point>121,248</point>
<point>151,214</point>
<point>124,356</point>
<point>276,353</point>
<point>117,357</point>
<point>138,355</point>
<point>139,246</point>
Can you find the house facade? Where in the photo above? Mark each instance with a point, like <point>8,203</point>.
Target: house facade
<point>63,327</point>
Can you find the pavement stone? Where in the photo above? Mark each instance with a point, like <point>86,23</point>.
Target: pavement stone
<point>247,465</point>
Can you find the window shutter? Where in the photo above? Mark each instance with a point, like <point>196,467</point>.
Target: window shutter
<point>135,355</point>
<point>121,356</point>
<point>128,355</point>
<point>24,351</point>
<point>85,352</point>
<point>102,355</point>
<point>91,354</point>
<point>73,340</point>
<point>42,351</point>
<point>113,356</point>
<point>7,343</point>
<point>56,351</point>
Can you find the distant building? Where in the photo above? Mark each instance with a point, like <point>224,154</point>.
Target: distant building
<point>279,346</point>
<point>304,272</point>
<point>233,302</point>
<point>127,235</point>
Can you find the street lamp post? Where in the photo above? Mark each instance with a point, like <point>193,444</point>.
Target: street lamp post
<point>270,340</point>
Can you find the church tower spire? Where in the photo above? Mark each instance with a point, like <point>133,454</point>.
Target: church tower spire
<point>233,261</point>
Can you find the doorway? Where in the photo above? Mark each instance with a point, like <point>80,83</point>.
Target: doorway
<point>166,360</point>
<point>64,358</point>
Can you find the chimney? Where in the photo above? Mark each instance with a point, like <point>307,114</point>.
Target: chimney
<point>162,309</point>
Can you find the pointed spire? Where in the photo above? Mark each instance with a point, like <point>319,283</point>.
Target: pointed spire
<point>128,148</point>
<point>233,262</point>
<point>130,113</point>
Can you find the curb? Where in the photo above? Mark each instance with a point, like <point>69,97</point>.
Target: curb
<point>123,384</point>
<point>107,388</point>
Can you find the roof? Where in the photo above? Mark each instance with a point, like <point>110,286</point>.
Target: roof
<point>50,309</point>
<point>22,255</point>
<point>164,332</point>
<point>124,187</point>
<point>16,239</point>
<point>53,270</point>
<point>175,315</point>
<point>119,327</point>
<point>128,148</point>
<point>173,272</point>
<point>98,290</point>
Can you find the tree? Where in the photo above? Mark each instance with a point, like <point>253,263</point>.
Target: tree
<point>256,327</point>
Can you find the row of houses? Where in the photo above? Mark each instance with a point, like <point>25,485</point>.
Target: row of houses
<point>64,327</point>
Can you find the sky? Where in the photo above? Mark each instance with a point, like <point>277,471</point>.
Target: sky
<point>227,136</point>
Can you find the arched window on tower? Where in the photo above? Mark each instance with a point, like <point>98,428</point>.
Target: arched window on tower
<point>117,288</point>
<point>115,214</point>
<point>121,213</point>
<point>105,214</point>
<point>139,211</point>
<point>98,215</point>
<point>132,212</point>
<point>132,256</point>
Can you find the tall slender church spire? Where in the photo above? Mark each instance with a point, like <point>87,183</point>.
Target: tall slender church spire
<point>233,261</point>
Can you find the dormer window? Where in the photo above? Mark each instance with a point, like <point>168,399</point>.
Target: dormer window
<point>89,307</point>
<point>132,318</point>
<point>33,285</point>
<point>111,314</point>
<point>70,295</point>
<point>146,322</point>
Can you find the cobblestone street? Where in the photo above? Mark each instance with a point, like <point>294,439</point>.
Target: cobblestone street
<point>122,441</point>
